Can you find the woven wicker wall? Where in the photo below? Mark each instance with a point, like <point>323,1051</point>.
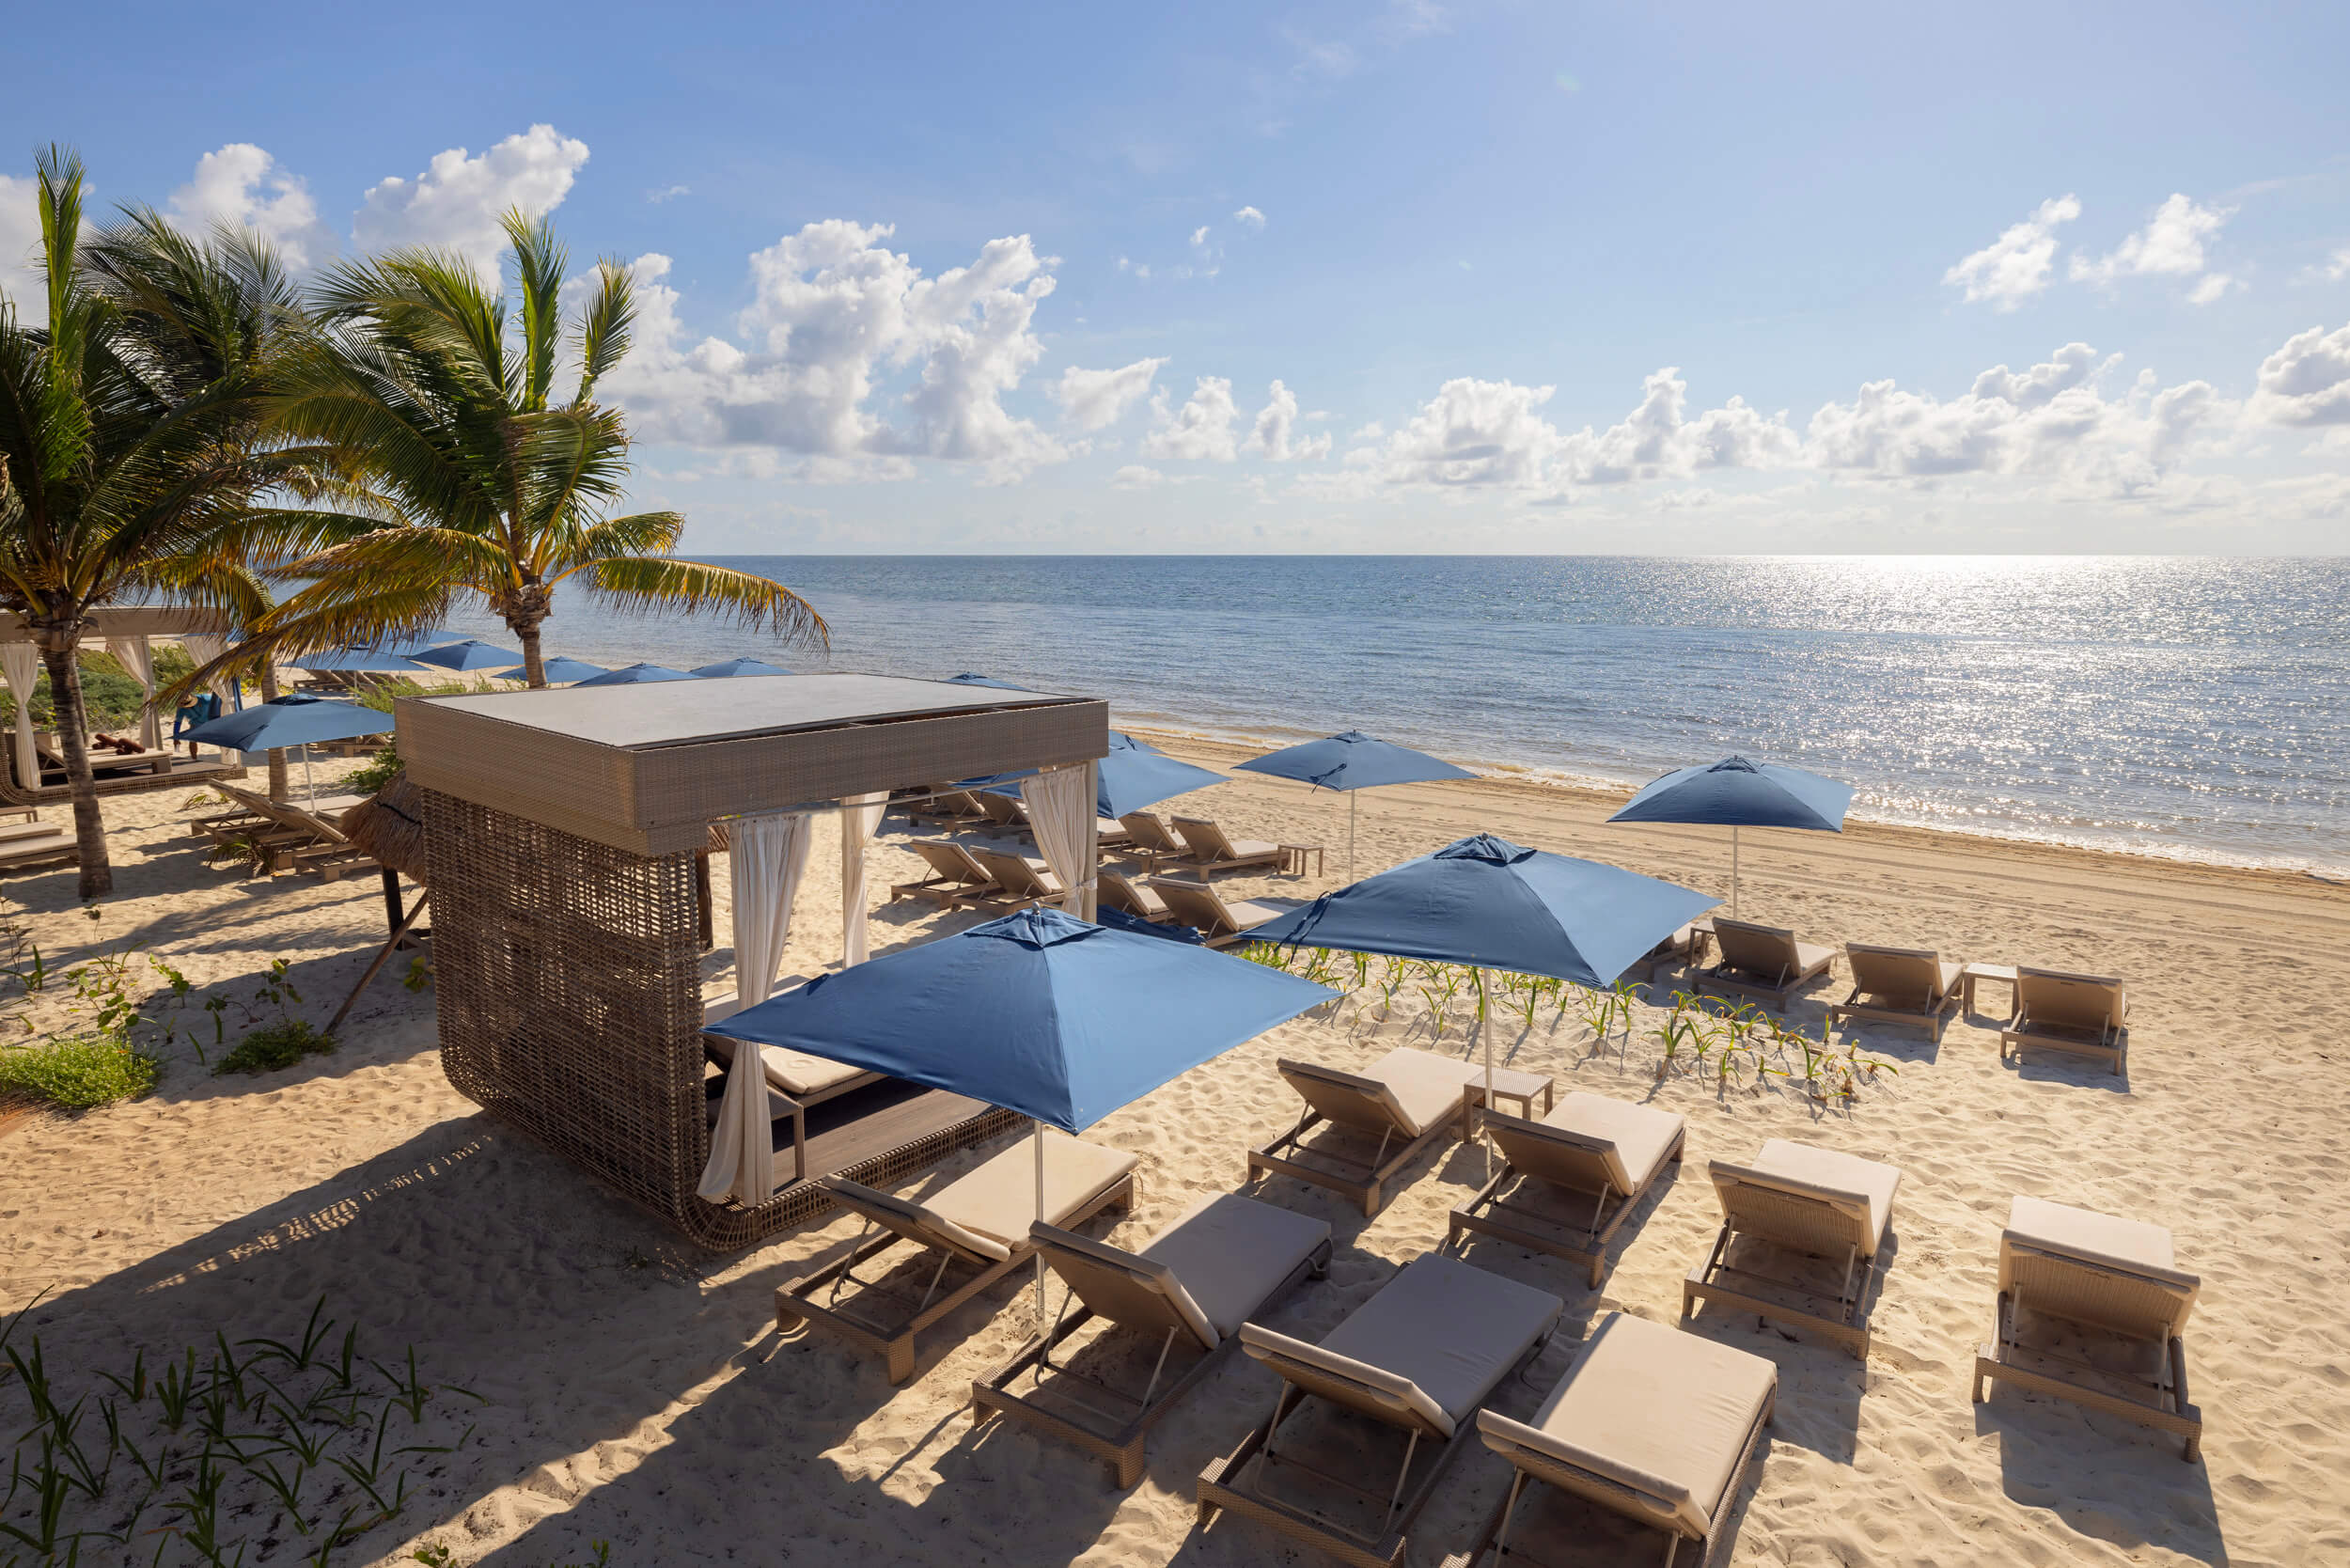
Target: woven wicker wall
<point>569,998</point>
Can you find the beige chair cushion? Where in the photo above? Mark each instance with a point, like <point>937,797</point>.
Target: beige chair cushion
<point>912,1220</point>
<point>1637,1137</point>
<point>1255,911</point>
<point>1125,1287</point>
<point>998,1199</point>
<point>1426,1088</point>
<point>1450,1330</point>
<point>799,1074</point>
<point>2131,1248</point>
<point>1230,1252</point>
<point>1661,1412</point>
<point>1866,1185</point>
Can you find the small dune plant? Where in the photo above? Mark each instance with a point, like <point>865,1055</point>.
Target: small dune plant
<point>282,1037</point>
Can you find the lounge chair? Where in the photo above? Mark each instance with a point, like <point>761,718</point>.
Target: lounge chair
<point>1900,986</point>
<point>2084,1015</point>
<point>955,877</point>
<point>1816,1202</point>
<point>1606,1151</point>
<point>1764,962</point>
<point>1212,852</point>
<point>1157,843</point>
<point>1197,906</point>
<point>1420,1356</point>
<point>1685,946</point>
<point>1651,1423</point>
<point>1137,900</point>
<point>1408,1099</point>
<point>1004,814</point>
<point>2113,1278</point>
<point>949,807</point>
<point>323,847</point>
<point>795,1079</point>
<point>1022,882</point>
<point>979,1220</point>
<point>1223,1260</point>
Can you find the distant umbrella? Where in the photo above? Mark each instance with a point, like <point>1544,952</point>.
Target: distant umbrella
<point>737,666</point>
<point>1735,793</point>
<point>296,719</point>
<point>971,678</point>
<point>1129,779</point>
<point>361,659</point>
<point>1120,741</point>
<point>556,668</point>
<point>634,675</point>
<point>473,653</point>
<point>1350,761</point>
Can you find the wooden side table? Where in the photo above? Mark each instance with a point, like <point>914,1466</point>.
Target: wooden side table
<point>1297,853</point>
<point>2004,973</point>
<point>1509,1084</point>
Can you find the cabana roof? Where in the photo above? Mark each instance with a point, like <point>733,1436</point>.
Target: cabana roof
<point>132,620</point>
<point>648,768</point>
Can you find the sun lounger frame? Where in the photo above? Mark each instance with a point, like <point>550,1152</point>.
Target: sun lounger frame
<point>1487,1214</point>
<point>894,1340</point>
<point>1208,854</point>
<point>1126,1444</point>
<point>1226,1485</point>
<point>947,808</point>
<point>1280,1157</point>
<point>948,890</point>
<point>1593,1487</point>
<point>1932,1019</point>
<point>1706,1283</point>
<point>2170,1410</point>
<point>2111,1045</point>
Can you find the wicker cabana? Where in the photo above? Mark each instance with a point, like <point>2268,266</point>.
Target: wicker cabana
<point>127,632</point>
<point>561,830</point>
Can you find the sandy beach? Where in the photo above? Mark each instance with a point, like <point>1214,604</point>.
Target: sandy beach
<point>635,1391</point>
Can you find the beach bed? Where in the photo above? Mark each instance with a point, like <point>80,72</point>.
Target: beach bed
<point>1408,1099</point>
<point>1764,962</point>
<point>1224,925</point>
<point>1815,1201</point>
<point>1222,1263</point>
<point>2086,1016</point>
<point>1604,1151</point>
<point>955,877</point>
<point>1900,986</point>
<point>1419,1357</point>
<point>1213,851</point>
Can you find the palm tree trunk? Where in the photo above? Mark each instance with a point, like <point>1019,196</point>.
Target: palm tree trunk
<point>278,786</point>
<point>534,666</point>
<point>89,826</point>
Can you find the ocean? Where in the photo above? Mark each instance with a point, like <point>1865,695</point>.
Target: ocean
<point>2192,707</point>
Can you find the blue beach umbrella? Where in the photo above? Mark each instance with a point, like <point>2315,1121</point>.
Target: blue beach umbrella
<point>473,653</point>
<point>1351,762</point>
<point>1128,779</point>
<point>634,675</point>
<point>1120,741</point>
<point>371,659</point>
<point>1491,904</point>
<point>1735,793</point>
<point>971,678</point>
<point>556,668</point>
<point>731,667</point>
<point>1037,1011</point>
<point>295,719</point>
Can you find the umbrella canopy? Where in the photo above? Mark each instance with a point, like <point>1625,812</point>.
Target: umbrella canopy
<point>1120,741</point>
<point>1354,761</point>
<point>297,718</point>
<point>473,653</point>
<point>1037,1011</point>
<point>970,678</point>
<point>1493,904</point>
<point>1128,779</point>
<point>737,666</point>
<point>1117,919</point>
<point>1735,793</point>
<point>636,675</point>
<point>416,642</point>
<point>363,659</point>
<point>558,669</point>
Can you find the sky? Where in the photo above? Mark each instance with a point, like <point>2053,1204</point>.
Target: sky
<point>1415,277</point>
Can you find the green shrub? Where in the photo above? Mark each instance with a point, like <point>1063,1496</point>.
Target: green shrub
<point>77,1073</point>
<point>274,1046</point>
<point>373,774</point>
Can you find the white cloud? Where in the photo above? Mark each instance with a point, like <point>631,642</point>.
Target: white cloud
<point>243,186</point>
<point>1248,217</point>
<point>1201,430</point>
<point>1200,237</point>
<point>1471,433</point>
<point>2337,265</point>
<point>2016,266</point>
<point>1141,269</point>
<point>2210,289</point>
<point>1094,399</point>
<point>2307,381</point>
<point>1655,441</point>
<point>1274,435</point>
<point>456,202</point>
<point>1135,476</point>
<point>20,243</point>
<point>835,313</point>
<point>668,193</point>
<point>2170,245</point>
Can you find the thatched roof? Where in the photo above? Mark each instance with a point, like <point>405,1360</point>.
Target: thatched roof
<point>388,825</point>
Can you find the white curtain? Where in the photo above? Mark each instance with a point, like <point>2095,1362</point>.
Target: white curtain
<point>21,663</point>
<point>204,647</point>
<point>765,857</point>
<point>859,816</point>
<point>136,656</point>
<point>1060,808</point>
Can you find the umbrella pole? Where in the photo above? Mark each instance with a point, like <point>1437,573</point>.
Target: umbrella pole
<point>309,781</point>
<point>1733,873</point>
<point>1485,1036</point>
<point>1349,835</point>
<point>1042,1326</point>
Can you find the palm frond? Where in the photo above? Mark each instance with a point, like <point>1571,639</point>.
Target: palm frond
<point>645,584</point>
<point>605,326</point>
<point>539,262</point>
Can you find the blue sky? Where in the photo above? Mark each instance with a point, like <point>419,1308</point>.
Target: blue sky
<point>1528,277</point>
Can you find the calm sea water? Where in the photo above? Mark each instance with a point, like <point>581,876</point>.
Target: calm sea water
<point>2188,708</point>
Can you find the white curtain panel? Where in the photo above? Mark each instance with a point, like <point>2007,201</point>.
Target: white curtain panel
<point>134,654</point>
<point>1060,808</point>
<point>21,663</point>
<point>859,816</point>
<point>765,858</point>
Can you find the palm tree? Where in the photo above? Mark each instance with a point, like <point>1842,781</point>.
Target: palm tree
<point>485,485</point>
<point>130,462</point>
